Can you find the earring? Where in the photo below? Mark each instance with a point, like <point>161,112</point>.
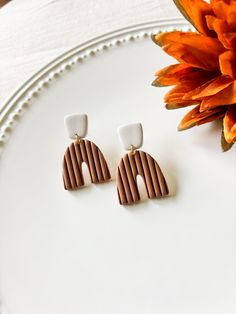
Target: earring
<point>82,151</point>
<point>137,162</point>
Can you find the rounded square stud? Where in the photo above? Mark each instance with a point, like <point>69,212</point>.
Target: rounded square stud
<point>131,135</point>
<point>76,124</point>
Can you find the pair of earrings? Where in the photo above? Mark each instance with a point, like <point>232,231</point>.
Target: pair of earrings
<point>134,163</point>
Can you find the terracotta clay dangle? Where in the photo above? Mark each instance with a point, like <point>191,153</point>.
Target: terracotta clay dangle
<point>137,162</point>
<point>82,150</point>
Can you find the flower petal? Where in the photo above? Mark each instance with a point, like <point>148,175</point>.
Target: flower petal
<point>179,91</point>
<point>230,39</point>
<point>188,38</point>
<point>227,62</point>
<point>196,117</point>
<point>224,144</point>
<point>171,75</point>
<point>229,124</point>
<point>212,2</point>
<point>195,11</point>
<point>194,49</point>
<point>220,27</point>
<point>231,13</point>
<point>223,98</point>
<point>210,88</point>
<point>180,73</point>
<point>220,9</point>
<point>181,104</point>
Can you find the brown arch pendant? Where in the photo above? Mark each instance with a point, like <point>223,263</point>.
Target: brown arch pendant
<point>77,153</point>
<point>139,163</point>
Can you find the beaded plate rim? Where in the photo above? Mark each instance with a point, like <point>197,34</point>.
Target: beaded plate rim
<point>15,106</point>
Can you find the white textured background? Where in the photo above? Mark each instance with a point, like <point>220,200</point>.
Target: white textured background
<point>33,32</point>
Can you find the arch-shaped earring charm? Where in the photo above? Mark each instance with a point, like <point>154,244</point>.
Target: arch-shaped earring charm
<point>82,150</point>
<point>137,162</point>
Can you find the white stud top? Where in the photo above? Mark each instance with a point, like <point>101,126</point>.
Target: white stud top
<point>131,135</point>
<point>76,124</point>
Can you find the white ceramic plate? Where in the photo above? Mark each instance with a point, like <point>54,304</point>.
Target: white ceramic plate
<point>81,252</point>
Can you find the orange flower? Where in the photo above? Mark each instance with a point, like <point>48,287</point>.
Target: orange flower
<point>206,73</point>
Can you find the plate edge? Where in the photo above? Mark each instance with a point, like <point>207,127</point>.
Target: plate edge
<point>19,101</point>
<point>21,98</point>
